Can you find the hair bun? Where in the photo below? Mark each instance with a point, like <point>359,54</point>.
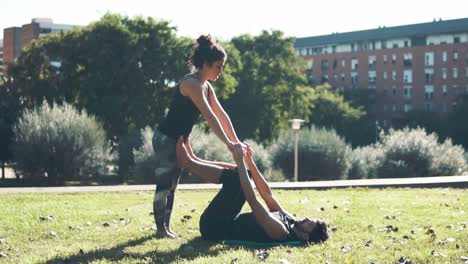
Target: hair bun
<point>204,40</point>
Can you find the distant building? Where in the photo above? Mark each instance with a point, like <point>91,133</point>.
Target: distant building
<point>411,67</point>
<point>1,57</point>
<point>16,38</point>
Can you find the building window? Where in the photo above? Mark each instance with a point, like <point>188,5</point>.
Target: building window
<point>385,91</point>
<point>429,76</point>
<point>428,92</point>
<point>456,39</point>
<point>393,58</point>
<point>429,107</point>
<point>335,77</point>
<point>408,59</point>
<point>394,90</point>
<point>444,73</point>
<point>384,59</point>
<point>384,44</point>
<point>354,64</point>
<point>429,59</point>
<point>343,63</point>
<point>342,77</point>
<point>444,90</point>
<point>408,76</point>
<point>385,75</point>
<point>444,56</point>
<point>333,49</point>
<point>372,76</point>
<point>456,89</point>
<point>407,93</point>
<point>454,106</point>
<point>455,55</point>
<point>324,78</point>
<point>334,64</point>
<point>394,75</point>
<point>324,65</point>
<point>372,61</point>
<point>408,107</point>
<point>394,108</point>
<point>354,79</point>
<point>406,43</point>
<point>455,73</point>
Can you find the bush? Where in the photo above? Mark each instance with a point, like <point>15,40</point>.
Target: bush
<point>145,160</point>
<point>60,143</point>
<point>322,154</point>
<point>364,162</point>
<point>414,153</point>
<point>205,145</point>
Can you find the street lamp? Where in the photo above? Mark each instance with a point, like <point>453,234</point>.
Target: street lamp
<point>376,130</point>
<point>296,125</point>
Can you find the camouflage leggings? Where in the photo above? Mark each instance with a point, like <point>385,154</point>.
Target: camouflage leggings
<point>167,178</point>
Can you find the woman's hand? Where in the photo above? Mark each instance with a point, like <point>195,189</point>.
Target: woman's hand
<point>237,152</point>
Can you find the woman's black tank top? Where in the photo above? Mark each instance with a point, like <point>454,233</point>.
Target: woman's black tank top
<point>182,116</point>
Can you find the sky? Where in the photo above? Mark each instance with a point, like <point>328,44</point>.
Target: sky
<point>227,19</point>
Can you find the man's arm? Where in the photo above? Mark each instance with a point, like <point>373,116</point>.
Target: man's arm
<point>274,229</point>
<point>262,186</point>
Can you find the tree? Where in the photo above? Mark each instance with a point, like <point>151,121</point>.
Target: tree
<point>10,108</point>
<point>271,87</point>
<point>121,70</point>
<point>330,110</point>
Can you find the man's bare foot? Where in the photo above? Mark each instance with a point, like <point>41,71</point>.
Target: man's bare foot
<point>162,233</point>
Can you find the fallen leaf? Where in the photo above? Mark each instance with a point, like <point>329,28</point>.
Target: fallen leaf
<point>284,261</point>
<point>106,224</point>
<point>188,217</point>
<point>335,207</point>
<point>334,229</point>
<point>2,241</point>
<point>234,261</point>
<point>88,223</point>
<point>458,247</point>
<point>345,249</point>
<point>81,252</point>
<point>405,237</point>
<point>126,209</point>
<point>463,258</point>
<point>193,210</point>
<point>346,210</point>
<point>3,255</point>
<point>151,213</point>
<point>262,254</point>
<point>403,260</point>
<point>450,226</point>
<point>288,250</point>
<point>53,234</point>
<point>437,254</point>
<point>48,218</point>
<point>368,243</point>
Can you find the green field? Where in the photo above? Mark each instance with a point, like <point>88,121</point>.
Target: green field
<point>369,225</point>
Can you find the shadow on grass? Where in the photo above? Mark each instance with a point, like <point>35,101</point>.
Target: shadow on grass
<point>189,250</point>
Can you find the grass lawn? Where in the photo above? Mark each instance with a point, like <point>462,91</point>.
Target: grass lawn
<point>369,225</point>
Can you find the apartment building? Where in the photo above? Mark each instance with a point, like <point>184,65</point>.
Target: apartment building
<point>411,67</point>
<point>16,38</point>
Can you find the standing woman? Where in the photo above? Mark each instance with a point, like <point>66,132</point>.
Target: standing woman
<point>194,95</point>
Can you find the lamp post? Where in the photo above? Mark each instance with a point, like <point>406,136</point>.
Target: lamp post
<point>376,130</point>
<point>296,125</point>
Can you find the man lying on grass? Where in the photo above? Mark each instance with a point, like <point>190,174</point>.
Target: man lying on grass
<point>222,220</point>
